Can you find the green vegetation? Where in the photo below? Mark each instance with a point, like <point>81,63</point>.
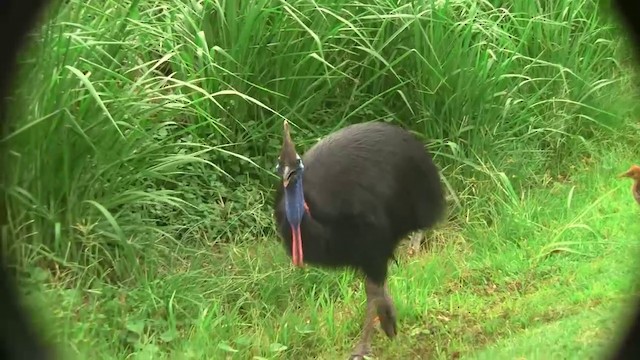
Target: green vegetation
<point>155,126</point>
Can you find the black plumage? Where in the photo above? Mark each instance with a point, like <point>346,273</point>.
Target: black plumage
<point>367,186</point>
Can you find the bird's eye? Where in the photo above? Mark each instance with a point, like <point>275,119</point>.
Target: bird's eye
<point>277,169</point>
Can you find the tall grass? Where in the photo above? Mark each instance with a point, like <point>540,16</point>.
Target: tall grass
<point>155,124</point>
<point>145,135</point>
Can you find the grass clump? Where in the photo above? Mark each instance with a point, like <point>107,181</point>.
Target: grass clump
<point>140,186</point>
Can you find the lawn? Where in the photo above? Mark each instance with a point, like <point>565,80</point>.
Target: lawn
<point>146,134</point>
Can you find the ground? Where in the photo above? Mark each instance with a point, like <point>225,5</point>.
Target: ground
<point>549,278</point>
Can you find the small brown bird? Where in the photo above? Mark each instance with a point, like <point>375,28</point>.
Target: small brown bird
<point>634,173</point>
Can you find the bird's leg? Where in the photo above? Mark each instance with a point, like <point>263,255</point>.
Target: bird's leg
<point>363,347</point>
<point>387,313</point>
<point>378,303</point>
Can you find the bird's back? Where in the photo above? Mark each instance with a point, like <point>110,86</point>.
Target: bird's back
<point>374,168</point>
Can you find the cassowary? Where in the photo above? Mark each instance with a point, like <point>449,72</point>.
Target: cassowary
<point>350,200</point>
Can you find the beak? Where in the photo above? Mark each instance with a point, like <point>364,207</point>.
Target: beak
<point>286,175</point>
<point>624,174</point>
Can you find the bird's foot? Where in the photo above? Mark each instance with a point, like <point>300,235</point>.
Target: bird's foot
<point>362,351</point>
<point>387,316</point>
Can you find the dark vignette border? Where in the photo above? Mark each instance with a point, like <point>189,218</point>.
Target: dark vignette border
<point>18,337</point>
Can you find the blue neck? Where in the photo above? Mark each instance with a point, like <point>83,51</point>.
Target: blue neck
<point>294,201</point>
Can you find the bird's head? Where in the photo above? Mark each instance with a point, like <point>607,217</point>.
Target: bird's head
<point>290,165</point>
<point>290,169</point>
<point>633,173</point>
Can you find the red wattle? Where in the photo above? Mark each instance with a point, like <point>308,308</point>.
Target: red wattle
<point>296,248</point>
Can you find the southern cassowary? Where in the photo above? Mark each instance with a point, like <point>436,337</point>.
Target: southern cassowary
<point>350,200</point>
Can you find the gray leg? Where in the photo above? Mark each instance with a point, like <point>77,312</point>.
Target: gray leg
<point>387,313</point>
<point>378,303</point>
